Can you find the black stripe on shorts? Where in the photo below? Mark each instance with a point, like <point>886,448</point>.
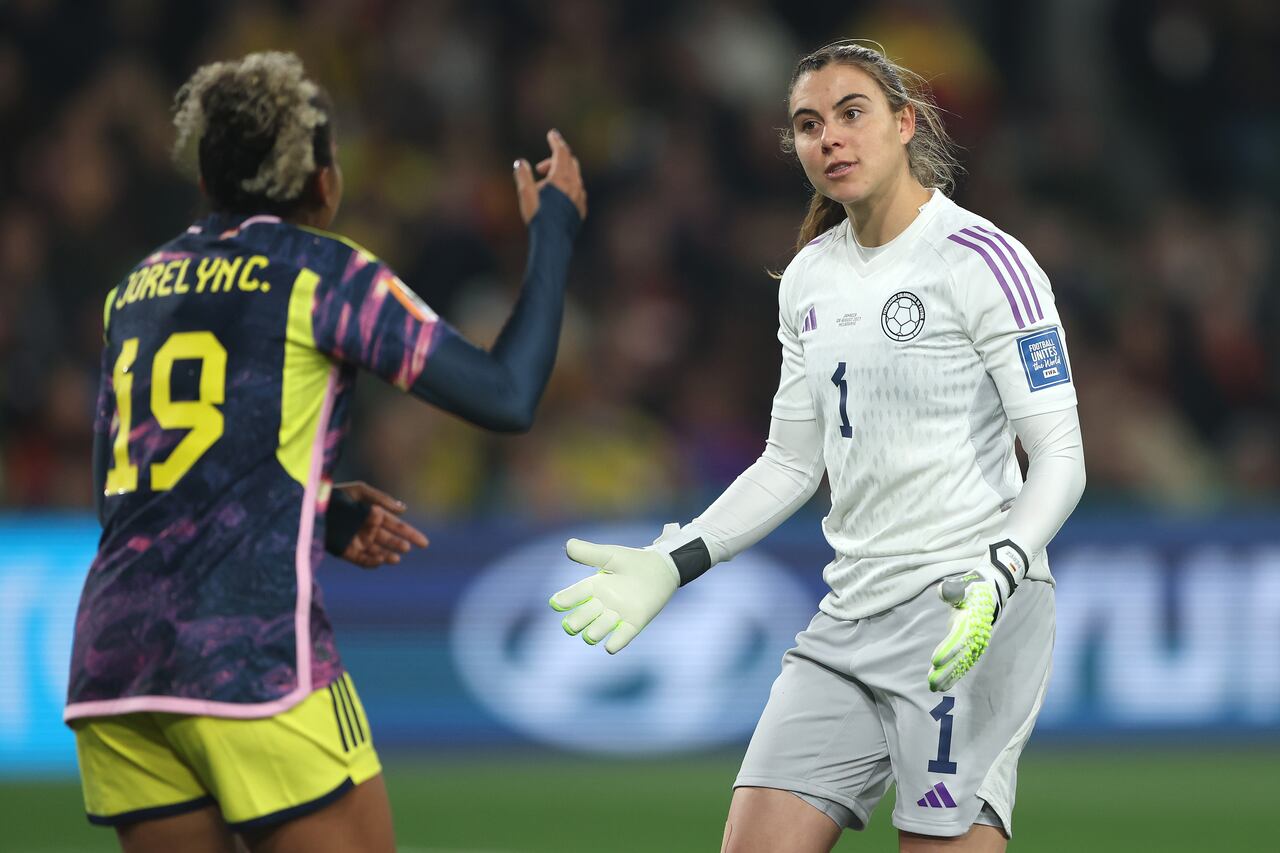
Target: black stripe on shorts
<point>344,687</point>
<point>292,812</point>
<point>333,697</point>
<point>153,813</point>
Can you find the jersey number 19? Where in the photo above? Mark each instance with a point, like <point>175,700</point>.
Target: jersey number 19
<point>201,416</point>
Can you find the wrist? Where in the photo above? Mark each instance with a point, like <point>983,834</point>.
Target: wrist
<point>554,206</point>
<point>1010,563</point>
<point>685,549</point>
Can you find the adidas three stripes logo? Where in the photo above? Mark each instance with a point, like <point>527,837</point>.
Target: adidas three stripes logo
<point>938,797</point>
<point>350,728</point>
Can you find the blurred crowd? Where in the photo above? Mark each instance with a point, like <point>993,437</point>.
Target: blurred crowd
<point>1130,145</point>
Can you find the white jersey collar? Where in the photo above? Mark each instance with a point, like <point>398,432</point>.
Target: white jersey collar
<point>866,256</point>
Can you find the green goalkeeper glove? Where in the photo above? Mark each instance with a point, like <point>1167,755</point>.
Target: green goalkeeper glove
<point>629,589</point>
<point>978,597</point>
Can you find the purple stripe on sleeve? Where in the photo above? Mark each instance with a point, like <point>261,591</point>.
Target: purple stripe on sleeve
<point>1013,276</point>
<point>1008,294</point>
<point>932,799</point>
<point>945,795</point>
<point>1017,260</point>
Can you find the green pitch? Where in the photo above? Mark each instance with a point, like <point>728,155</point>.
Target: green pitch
<point>1069,800</point>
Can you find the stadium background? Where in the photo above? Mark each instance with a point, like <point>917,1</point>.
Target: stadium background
<point>1131,145</point>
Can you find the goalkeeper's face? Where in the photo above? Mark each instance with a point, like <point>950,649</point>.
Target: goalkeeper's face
<point>851,144</point>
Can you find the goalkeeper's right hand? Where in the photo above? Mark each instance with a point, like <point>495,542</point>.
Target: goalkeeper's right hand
<point>629,589</point>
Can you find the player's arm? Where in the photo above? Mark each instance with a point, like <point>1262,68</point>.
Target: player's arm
<point>633,584</point>
<point>407,344</point>
<point>1018,334</point>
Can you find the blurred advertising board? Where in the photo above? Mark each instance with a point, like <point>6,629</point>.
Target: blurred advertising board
<point>1165,627</point>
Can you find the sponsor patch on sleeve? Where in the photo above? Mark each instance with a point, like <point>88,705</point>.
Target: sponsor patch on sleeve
<point>1044,359</point>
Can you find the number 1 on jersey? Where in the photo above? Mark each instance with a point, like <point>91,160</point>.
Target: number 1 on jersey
<point>837,379</point>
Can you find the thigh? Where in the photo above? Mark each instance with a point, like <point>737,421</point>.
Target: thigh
<point>820,735</point>
<point>200,831</point>
<point>131,773</point>
<point>767,820</point>
<point>955,753</point>
<point>359,822</point>
<point>265,772</point>
<point>980,839</point>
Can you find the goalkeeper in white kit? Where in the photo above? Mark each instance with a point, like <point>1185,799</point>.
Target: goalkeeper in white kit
<point>917,340</point>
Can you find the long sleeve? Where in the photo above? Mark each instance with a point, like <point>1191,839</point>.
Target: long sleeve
<point>500,389</point>
<point>762,497</point>
<point>368,317</point>
<point>1055,481</point>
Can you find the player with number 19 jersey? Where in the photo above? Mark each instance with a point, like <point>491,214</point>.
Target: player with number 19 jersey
<point>226,376</point>
<point>914,357</point>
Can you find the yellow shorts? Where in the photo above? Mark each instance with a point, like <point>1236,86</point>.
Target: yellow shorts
<point>258,772</point>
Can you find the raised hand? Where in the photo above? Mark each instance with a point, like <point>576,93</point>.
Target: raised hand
<point>560,170</point>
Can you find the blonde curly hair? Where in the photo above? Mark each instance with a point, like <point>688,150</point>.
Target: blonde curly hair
<point>255,129</point>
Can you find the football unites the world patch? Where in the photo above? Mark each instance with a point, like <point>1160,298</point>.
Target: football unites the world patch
<point>1044,359</point>
<point>902,317</point>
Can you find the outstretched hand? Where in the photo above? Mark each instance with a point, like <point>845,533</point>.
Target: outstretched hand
<point>560,170</point>
<point>628,589</point>
<point>384,536</point>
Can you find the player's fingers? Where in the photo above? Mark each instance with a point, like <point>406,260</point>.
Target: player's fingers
<point>405,531</point>
<point>391,543</point>
<point>589,553</point>
<point>621,636</point>
<point>364,558</point>
<point>572,596</point>
<point>951,646</point>
<point>952,590</point>
<point>582,616</point>
<point>543,166</point>
<point>560,153</point>
<point>377,497</point>
<point>526,189</point>
<point>600,628</point>
<point>942,680</point>
<point>361,491</point>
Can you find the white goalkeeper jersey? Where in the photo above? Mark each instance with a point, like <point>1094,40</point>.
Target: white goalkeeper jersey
<point>913,357</point>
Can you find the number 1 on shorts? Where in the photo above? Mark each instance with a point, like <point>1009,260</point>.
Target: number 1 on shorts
<point>942,713</point>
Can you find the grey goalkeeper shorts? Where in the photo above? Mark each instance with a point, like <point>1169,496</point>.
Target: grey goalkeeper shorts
<point>852,713</point>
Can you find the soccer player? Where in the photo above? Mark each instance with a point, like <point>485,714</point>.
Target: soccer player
<point>206,690</point>
<point>917,340</point>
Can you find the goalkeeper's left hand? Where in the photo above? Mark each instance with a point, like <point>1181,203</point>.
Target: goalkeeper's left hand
<point>629,589</point>
<point>978,596</point>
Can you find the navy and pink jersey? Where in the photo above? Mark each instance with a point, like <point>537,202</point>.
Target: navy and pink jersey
<point>229,359</point>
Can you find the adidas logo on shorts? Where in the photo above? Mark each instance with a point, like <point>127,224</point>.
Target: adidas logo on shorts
<point>938,797</point>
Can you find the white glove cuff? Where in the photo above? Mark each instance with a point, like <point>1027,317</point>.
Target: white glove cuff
<point>1010,563</point>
